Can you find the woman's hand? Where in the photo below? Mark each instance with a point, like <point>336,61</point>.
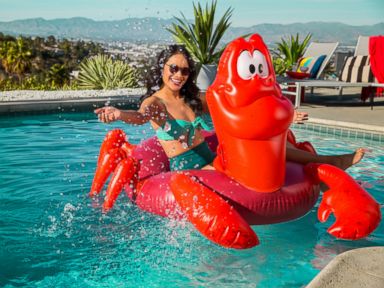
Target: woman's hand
<point>108,114</point>
<point>300,117</point>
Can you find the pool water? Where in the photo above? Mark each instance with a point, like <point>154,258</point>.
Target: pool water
<point>51,234</point>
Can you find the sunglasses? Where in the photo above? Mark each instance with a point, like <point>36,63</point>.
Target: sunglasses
<point>173,68</point>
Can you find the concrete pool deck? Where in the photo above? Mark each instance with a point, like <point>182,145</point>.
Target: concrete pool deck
<point>13,102</point>
<point>361,267</point>
<point>358,268</point>
<point>347,111</point>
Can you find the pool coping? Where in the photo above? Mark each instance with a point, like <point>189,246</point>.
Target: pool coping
<point>29,101</point>
<point>343,129</point>
<point>26,106</point>
<point>362,267</point>
<point>348,125</point>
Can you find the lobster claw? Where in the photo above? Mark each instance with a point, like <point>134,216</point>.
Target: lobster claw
<point>212,215</point>
<point>356,211</point>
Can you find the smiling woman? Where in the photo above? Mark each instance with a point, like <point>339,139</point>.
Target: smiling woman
<point>172,106</point>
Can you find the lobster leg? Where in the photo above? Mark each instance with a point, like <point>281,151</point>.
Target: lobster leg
<point>106,166</point>
<point>212,215</point>
<point>356,211</point>
<point>114,148</point>
<point>125,173</point>
<point>114,139</point>
<point>306,146</point>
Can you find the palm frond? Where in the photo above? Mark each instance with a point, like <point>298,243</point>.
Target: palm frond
<point>202,37</point>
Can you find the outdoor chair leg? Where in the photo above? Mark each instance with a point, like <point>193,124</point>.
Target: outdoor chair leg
<point>339,97</point>
<point>371,96</point>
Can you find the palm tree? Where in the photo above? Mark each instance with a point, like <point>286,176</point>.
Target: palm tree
<point>16,57</point>
<point>57,75</point>
<point>4,48</point>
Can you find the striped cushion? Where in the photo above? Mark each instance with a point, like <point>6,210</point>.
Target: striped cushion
<point>357,69</point>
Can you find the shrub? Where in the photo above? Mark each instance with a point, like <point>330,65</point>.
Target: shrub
<point>102,72</point>
<point>35,82</point>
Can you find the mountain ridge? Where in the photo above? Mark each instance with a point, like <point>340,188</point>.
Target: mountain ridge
<point>152,29</point>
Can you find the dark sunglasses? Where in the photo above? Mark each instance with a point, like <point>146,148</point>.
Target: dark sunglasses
<point>173,68</point>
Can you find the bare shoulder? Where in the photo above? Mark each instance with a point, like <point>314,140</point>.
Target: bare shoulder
<point>153,108</point>
<point>152,101</point>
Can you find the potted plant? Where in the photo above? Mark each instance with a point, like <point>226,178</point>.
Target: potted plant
<point>201,39</point>
<point>289,52</point>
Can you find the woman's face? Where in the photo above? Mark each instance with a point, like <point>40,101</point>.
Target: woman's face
<point>176,72</point>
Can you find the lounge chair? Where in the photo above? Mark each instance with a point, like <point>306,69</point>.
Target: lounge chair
<point>314,50</point>
<point>361,50</point>
<point>318,49</point>
<point>362,46</point>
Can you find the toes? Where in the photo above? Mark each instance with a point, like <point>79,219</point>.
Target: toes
<point>358,155</point>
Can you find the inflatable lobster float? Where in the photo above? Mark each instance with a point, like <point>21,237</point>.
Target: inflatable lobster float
<point>252,183</point>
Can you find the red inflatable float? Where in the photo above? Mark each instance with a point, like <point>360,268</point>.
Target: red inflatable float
<point>252,183</point>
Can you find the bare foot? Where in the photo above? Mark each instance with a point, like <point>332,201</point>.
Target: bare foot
<point>347,160</point>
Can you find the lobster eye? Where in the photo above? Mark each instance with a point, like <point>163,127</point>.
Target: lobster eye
<point>261,63</point>
<point>245,65</point>
<point>252,68</point>
<point>261,69</point>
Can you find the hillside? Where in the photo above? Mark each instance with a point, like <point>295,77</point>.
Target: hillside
<point>153,30</point>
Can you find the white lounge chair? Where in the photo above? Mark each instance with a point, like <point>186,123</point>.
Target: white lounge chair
<point>361,49</point>
<point>362,46</point>
<point>316,49</point>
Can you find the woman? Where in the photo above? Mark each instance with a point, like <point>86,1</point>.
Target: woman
<point>173,107</point>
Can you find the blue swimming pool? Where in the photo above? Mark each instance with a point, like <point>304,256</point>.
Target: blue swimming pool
<point>51,234</point>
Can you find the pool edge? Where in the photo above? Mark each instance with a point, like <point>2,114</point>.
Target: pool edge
<point>361,267</point>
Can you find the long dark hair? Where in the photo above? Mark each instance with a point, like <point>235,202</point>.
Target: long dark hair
<point>154,79</point>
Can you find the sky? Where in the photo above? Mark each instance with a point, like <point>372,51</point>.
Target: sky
<point>246,12</point>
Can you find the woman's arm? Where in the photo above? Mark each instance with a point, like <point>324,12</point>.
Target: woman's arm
<point>204,102</point>
<point>150,109</point>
